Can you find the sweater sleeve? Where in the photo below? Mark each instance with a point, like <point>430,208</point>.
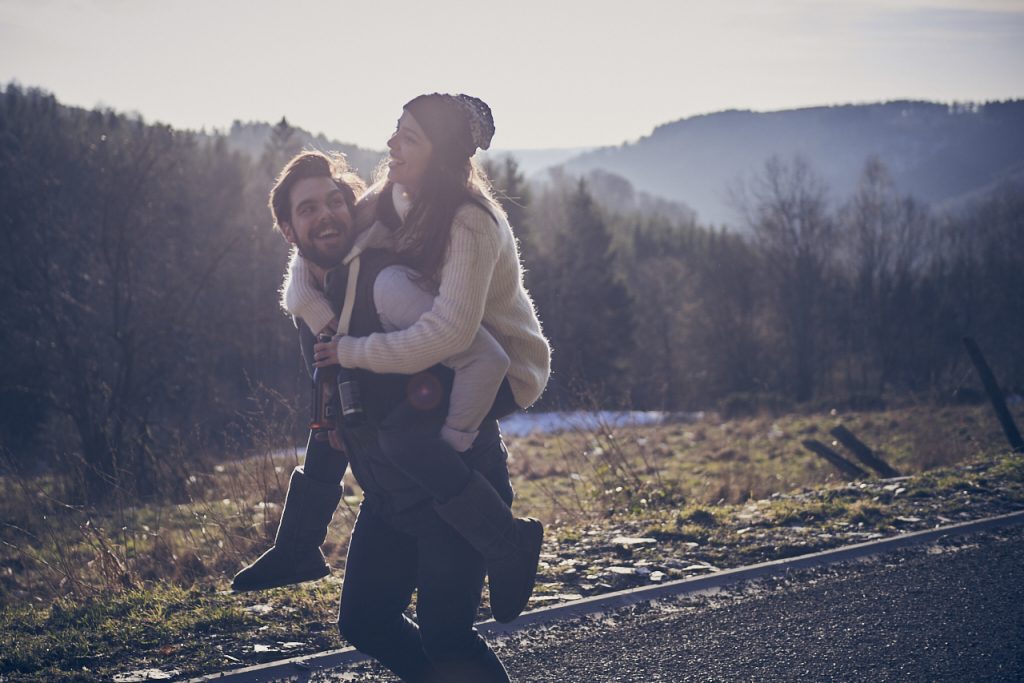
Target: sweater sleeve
<point>449,327</point>
<point>303,297</point>
<point>479,369</point>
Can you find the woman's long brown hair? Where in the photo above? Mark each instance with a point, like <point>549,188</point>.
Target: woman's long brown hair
<point>425,234</point>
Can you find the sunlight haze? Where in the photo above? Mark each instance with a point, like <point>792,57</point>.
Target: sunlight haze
<point>557,74</point>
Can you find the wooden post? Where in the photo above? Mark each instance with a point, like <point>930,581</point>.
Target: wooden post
<point>995,395</point>
<point>863,453</point>
<point>847,468</point>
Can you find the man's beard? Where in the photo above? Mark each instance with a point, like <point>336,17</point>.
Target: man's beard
<point>327,257</point>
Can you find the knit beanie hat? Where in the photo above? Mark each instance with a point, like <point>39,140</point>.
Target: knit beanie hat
<point>456,124</point>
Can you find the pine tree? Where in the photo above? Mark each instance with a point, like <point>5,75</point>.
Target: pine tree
<point>512,191</point>
<point>282,145</point>
<point>586,307</point>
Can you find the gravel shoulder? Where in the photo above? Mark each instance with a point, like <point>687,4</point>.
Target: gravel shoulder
<point>949,611</point>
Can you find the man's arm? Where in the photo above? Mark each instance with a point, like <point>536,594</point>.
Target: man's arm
<point>306,341</point>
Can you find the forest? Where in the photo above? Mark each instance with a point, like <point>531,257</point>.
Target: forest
<point>140,274</point>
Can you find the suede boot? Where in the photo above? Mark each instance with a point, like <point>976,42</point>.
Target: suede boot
<point>509,545</point>
<point>295,556</point>
<point>480,666</point>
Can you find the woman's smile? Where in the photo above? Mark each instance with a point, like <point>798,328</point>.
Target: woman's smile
<point>409,152</point>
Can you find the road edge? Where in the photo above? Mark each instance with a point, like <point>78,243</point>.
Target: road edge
<point>300,668</point>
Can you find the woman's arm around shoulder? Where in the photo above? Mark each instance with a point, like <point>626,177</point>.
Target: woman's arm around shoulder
<point>302,295</point>
<point>449,327</point>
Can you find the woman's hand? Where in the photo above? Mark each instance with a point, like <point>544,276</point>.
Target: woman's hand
<point>326,353</point>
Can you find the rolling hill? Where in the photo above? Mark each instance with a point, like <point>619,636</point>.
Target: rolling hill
<point>939,153</point>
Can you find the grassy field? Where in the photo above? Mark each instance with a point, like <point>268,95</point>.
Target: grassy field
<point>585,474</point>
<point>88,594</point>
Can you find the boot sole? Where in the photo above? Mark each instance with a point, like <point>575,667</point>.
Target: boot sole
<point>282,581</point>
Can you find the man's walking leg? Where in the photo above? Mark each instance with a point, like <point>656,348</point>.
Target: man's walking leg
<point>380,576</point>
<point>450,582</point>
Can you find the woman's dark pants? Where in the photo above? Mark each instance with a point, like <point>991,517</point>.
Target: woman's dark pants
<point>410,440</point>
<point>391,554</point>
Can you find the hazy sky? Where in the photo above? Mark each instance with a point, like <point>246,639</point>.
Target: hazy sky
<point>557,73</point>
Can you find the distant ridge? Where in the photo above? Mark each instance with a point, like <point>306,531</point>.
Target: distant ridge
<point>939,153</point>
<point>531,161</point>
<point>251,138</point>
<point>942,154</point>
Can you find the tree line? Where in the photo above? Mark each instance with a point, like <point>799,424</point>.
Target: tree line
<point>140,283</point>
<point>810,298</point>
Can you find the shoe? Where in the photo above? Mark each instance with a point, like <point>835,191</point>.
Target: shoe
<point>295,556</point>
<point>509,545</point>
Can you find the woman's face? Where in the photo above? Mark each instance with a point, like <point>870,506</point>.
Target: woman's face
<point>410,153</point>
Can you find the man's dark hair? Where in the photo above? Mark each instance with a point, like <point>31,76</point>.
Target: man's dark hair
<point>312,165</point>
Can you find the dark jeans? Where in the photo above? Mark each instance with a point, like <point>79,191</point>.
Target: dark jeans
<point>392,554</point>
<point>322,462</point>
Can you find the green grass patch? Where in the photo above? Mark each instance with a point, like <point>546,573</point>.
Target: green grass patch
<point>94,638</point>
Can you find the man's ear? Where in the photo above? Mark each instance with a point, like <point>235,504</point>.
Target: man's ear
<point>289,233</point>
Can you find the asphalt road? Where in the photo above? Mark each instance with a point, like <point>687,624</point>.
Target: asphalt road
<point>952,611</point>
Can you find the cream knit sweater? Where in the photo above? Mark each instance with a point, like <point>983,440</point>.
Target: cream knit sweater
<point>481,284</point>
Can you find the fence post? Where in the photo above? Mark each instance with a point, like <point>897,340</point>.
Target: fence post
<point>863,453</point>
<point>846,467</point>
<point>995,396</point>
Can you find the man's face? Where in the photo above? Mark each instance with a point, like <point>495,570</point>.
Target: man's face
<point>321,224</point>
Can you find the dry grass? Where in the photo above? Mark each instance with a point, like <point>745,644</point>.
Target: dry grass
<point>49,549</point>
<point>225,514</point>
<point>582,475</point>
<point>88,594</point>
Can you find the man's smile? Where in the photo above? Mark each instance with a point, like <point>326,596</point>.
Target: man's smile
<point>329,232</point>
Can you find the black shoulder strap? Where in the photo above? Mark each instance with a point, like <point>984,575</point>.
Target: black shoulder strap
<point>365,318</point>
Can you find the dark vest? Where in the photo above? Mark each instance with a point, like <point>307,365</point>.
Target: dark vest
<point>428,390</point>
<point>381,393</point>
